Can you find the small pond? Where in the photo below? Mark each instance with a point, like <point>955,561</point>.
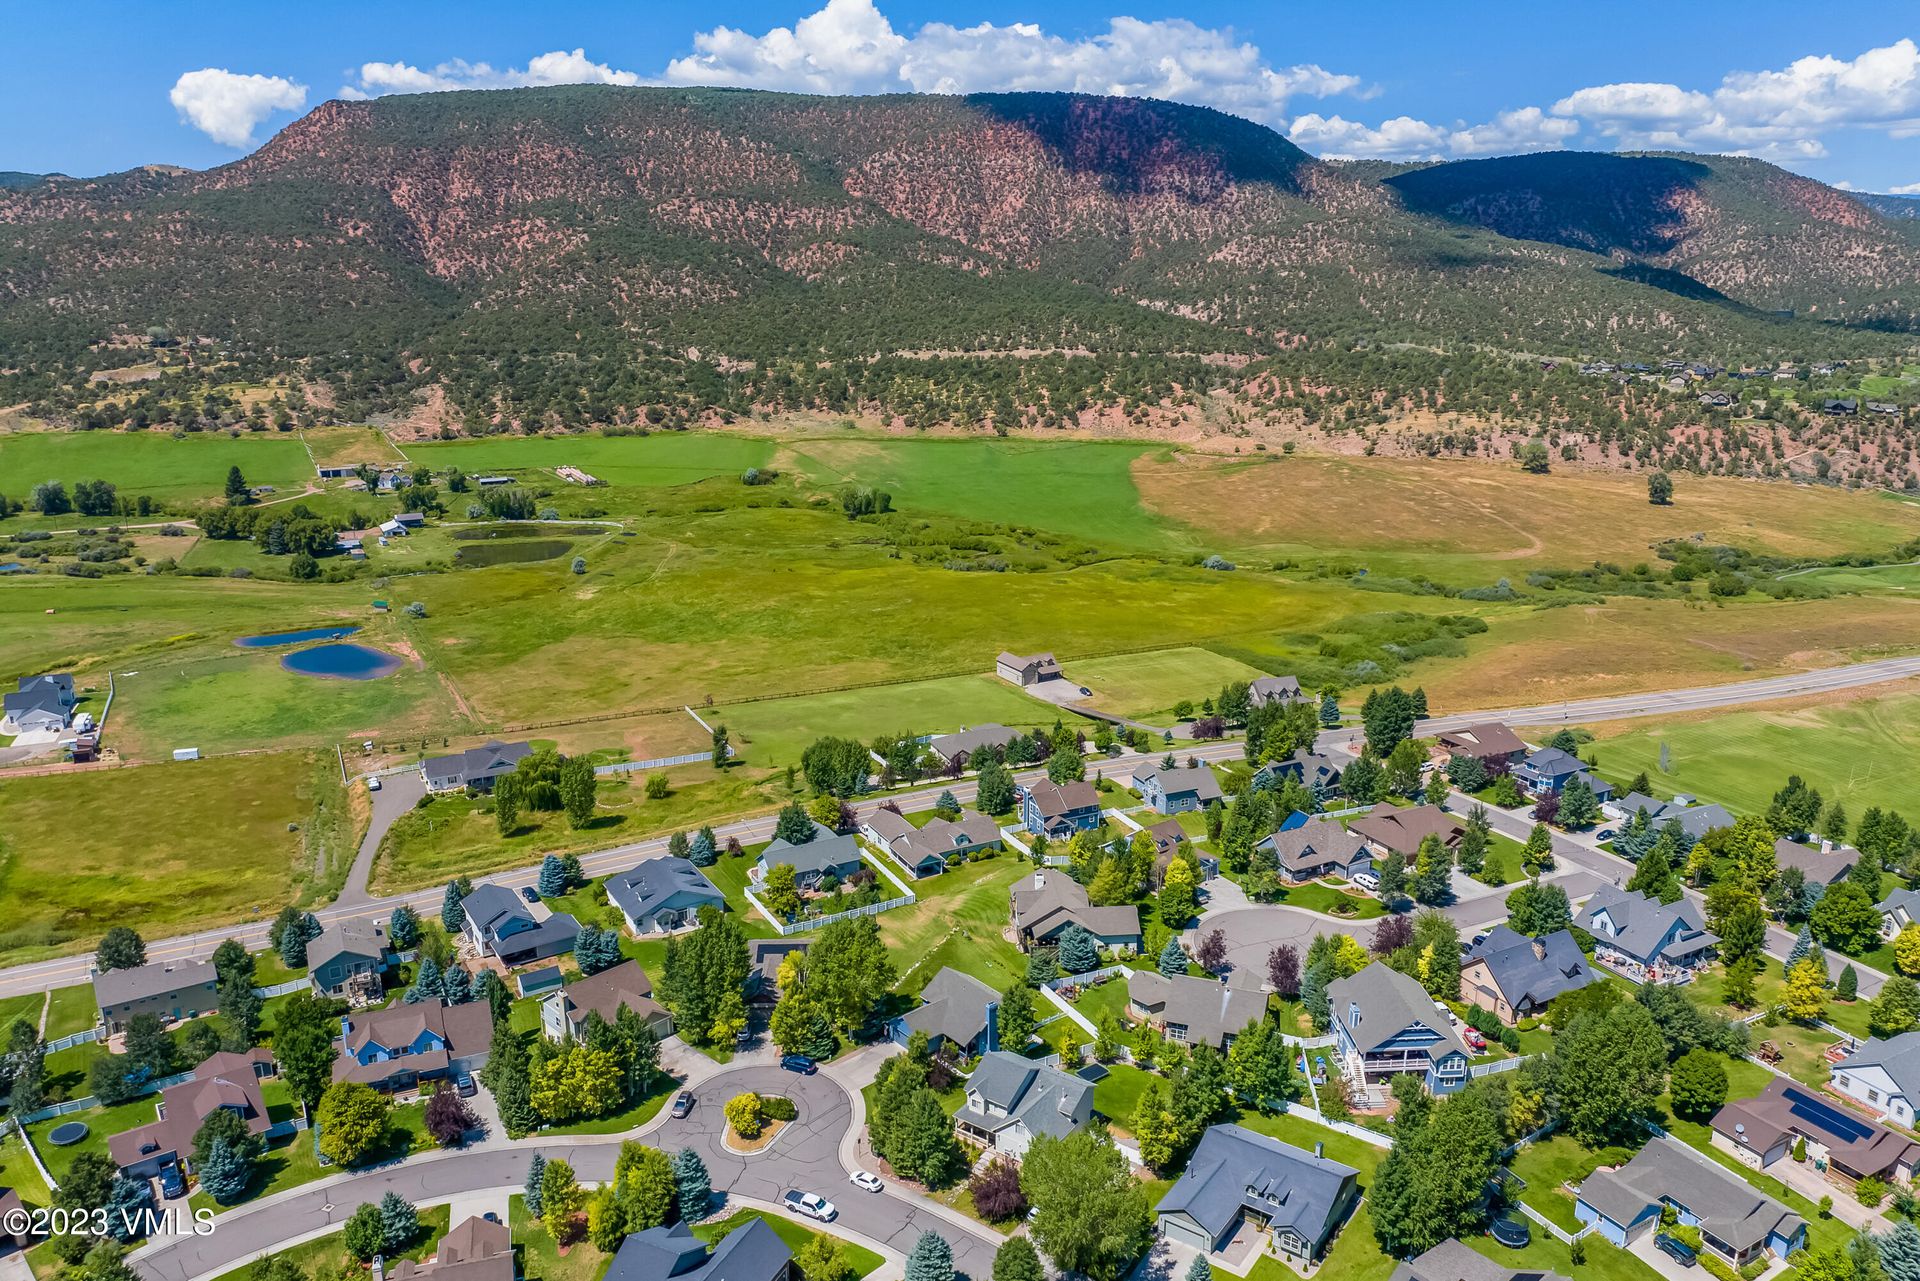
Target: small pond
<point>293,638</point>
<point>344,662</point>
<point>532,549</point>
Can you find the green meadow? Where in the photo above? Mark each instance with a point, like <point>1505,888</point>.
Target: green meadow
<point>183,469</point>
<point>774,731</point>
<point>661,459</point>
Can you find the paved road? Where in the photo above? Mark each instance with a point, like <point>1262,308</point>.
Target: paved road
<point>805,1155</point>
<point>64,971</point>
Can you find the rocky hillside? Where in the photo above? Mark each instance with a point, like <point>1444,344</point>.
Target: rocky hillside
<point>590,254</point>
<point>1741,228</point>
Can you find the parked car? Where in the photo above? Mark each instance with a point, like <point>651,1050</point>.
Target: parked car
<point>799,1063</point>
<point>530,894</point>
<point>1366,881</point>
<point>1605,834</point>
<point>814,1207</point>
<point>466,1086</point>
<point>682,1104</point>
<point>1679,1251</point>
<point>171,1184</point>
<point>865,1182</point>
<point>373,784</point>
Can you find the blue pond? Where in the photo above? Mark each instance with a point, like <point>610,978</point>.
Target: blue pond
<point>293,638</point>
<point>345,662</point>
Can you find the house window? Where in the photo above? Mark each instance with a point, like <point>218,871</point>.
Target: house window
<point>1844,1083</point>
<point>1176,1031</point>
<point>1873,1096</point>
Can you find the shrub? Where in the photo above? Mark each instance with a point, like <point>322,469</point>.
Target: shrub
<point>778,1107</point>
<point>996,1192</point>
<point>746,1114</point>
<point>1871,1190</point>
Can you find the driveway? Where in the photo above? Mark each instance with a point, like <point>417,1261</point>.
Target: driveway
<point>398,794</point>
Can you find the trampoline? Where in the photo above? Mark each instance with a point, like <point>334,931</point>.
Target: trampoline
<point>68,1133</point>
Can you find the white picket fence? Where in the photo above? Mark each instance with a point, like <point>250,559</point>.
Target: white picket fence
<point>80,1105</point>
<point>815,922</point>
<point>280,989</point>
<point>72,1039</point>
<point>658,762</point>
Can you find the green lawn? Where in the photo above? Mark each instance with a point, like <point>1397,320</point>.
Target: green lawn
<point>795,1235</point>
<point>191,468</point>
<point>773,732</point>
<point>26,1006</point>
<point>1146,686</point>
<point>1303,1134</point>
<point>72,1009</point>
<point>1552,1162</point>
<point>957,923</point>
<point>327,1256</point>
<point>1108,998</point>
<point>66,881</point>
<point>664,458</point>
<point>665,1087</point>
<point>540,1260</point>
<point>1850,751</point>
<point>1117,1094</point>
<point>18,1171</point>
<point>1316,897</point>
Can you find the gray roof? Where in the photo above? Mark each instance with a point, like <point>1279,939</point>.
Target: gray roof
<point>1046,902</point>
<point>477,764</point>
<point>968,741</point>
<point>1314,843</point>
<point>1821,866</point>
<point>941,837</point>
<point>956,1006</point>
<point>1455,1261</point>
<point>1266,689</point>
<point>358,937</point>
<point>1533,971</point>
<point>1235,1169</point>
<point>1898,1056</point>
<point>1695,820</point>
<point>1310,767</point>
<point>157,978</point>
<point>1210,1010</point>
<point>764,959</point>
<point>493,907</point>
<point>52,693</point>
<point>1729,1207</point>
<point>754,1252</point>
<point>660,884</point>
<point>830,853</point>
<point>1044,1099</point>
<point>1390,1002</point>
<point>1177,782</point>
<point>1641,921</point>
<point>1551,760</point>
<point>1909,899</point>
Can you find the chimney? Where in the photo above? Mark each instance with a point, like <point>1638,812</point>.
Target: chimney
<point>1040,878</point>
<point>1539,950</point>
<point>1826,846</point>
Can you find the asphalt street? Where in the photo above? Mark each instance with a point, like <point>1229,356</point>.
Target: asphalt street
<point>805,1155</point>
<point>64,971</point>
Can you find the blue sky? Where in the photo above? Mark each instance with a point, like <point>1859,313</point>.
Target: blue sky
<point>1832,92</point>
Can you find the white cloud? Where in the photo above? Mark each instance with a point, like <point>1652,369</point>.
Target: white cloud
<point>558,67</point>
<point>227,105</point>
<point>1401,138</point>
<point>1528,129</point>
<point>1774,114</point>
<point>848,46</point>
<point>1905,189</point>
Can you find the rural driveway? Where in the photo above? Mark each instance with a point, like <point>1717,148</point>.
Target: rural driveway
<point>63,971</point>
<point>805,1155</point>
<point>398,794</point>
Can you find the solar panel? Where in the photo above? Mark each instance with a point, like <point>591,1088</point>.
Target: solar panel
<point>1832,1119</point>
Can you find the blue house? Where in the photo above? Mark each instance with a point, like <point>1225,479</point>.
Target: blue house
<point>1319,774</point>
<point>500,924</point>
<point>1385,1025</point>
<point>1176,791</point>
<point>1059,809</point>
<point>402,1045</point>
<point>1667,939</point>
<point>1549,770</point>
<point>1736,1221</point>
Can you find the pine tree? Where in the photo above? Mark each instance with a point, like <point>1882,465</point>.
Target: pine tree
<point>225,1173</point>
<point>705,849</point>
<point>399,1222</point>
<point>1849,986</point>
<point>1200,1269</point>
<point>403,928</point>
<point>1329,709</point>
<point>452,919</point>
<point>553,877</point>
<point>931,1259</point>
<point>536,1170</point>
<point>693,1186</point>
<point>1173,959</point>
<point>1078,952</point>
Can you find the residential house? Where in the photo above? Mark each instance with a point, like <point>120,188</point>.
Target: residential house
<point>1011,1101</point>
<point>1176,791</point>
<point>1549,770</point>
<point>230,1081</point>
<point>956,1009</point>
<point>1845,405</point>
<point>1491,743</point>
<point>1045,903</point>
<point>925,851</point>
<point>500,924</point>
<point>1392,829</point>
<point>956,750</point>
<point>1274,689</point>
<point>475,768</point>
<point>1168,836</point>
<point>661,895</point>
<point>764,958</point>
<point>1897,911</point>
<point>1239,1179</point>
<point>397,1048</point>
<point>1058,810</point>
<point>1695,820</point>
<point>348,959</point>
<point>1319,847</point>
<point>1385,1025</point>
<point>1193,1011</point>
<point>1884,1076</point>
<point>1026,669</point>
<point>39,703</point>
<point>754,1252</point>
<point>564,1012</point>
<point>1667,940</point>
<point>1821,865</point>
<point>1318,773</point>
<point>1716,400</point>
<point>411,520</point>
<point>827,854</point>
<point>1516,977</point>
<point>1453,1261</point>
<point>1761,1131</point>
<point>1736,1222</point>
<point>173,990</point>
<point>477,1249</point>
<point>1882,407</point>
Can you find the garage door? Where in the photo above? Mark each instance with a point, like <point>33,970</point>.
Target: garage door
<point>1184,1231</point>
